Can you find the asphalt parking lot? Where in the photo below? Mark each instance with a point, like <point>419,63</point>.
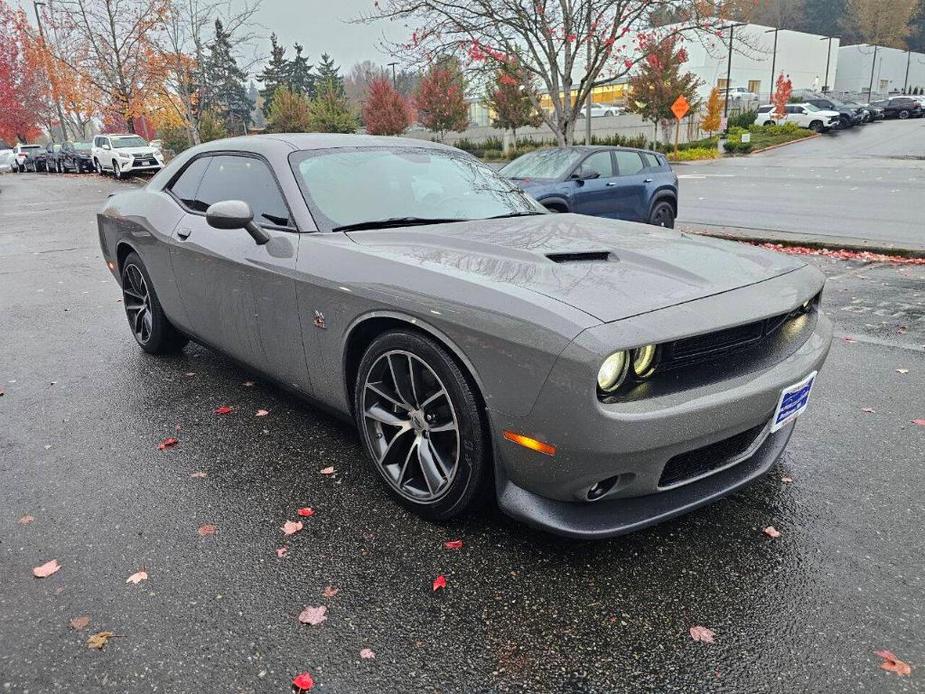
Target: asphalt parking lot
<point>83,411</point>
<point>860,186</point>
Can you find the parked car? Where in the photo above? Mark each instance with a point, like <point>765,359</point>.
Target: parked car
<point>122,155</point>
<point>871,113</point>
<point>75,157</point>
<point>738,93</point>
<point>595,376</point>
<point>901,107</point>
<point>803,115</point>
<point>45,160</point>
<point>7,156</point>
<point>848,116</point>
<point>22,153</point>
<point>601,110</point>
<point>615,182</point>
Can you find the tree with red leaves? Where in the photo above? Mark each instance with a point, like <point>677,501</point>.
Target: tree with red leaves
<point>782,91</point>
<point>568,48</point>
<point>386,112</point>
<point>440,99</point>
<point>510,103</point>
<point>22,89</point>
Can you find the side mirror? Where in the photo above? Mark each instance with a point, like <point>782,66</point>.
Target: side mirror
<point>106,147</point>
<point>236,214</point>
<point>582,174</point>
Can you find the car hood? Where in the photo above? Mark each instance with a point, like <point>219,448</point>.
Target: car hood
<point>135,150</point>
<point>608,269</point>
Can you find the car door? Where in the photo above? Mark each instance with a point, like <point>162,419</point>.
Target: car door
<point>632,183</point>
<point>595,196</point>
<point>240,296</point>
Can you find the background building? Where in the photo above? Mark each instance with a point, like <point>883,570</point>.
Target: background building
<point>894,71</point>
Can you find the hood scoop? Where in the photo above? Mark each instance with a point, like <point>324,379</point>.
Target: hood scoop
<point>582,257</point>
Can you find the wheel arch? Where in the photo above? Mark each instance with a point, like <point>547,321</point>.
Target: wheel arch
<point>667,195</point>
<point>556,203</point>
<point>365,329</point>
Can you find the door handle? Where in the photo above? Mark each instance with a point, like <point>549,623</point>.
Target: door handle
<point>184,233</point>
<point>647,180</point>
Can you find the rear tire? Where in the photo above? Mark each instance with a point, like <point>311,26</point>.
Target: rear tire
<point>152,330</point>
<point>662,215</point>
<point>422,426</point>
<point>903,115</point>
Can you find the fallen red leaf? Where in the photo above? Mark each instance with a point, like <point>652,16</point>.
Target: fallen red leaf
<point>99,640</point>
<point>169,442</point>
<point>303,682</point>
<point>262,413</point>
<point>2,393</point>
<point>439,582</point>
<point>771,531</point>
<point>367,653</point>
<point>80,623</point>
<point>893,664</point>
<point>702,634</point>
<point>46,569</point>
<point>137,577</point>
<point>282,552</point>
<point>198,474</point>
<point>25,520</point>
<point>207,529</point>
<point>919,422</point>
<point>313,615</point>
<point>330,591</point>
<point>291,527</point>
<point>327,471</point>
<point>306,512</point>
<point>453,544</point>
<point>849,340</point>
<point>869,410</point>
<point>224,409</point>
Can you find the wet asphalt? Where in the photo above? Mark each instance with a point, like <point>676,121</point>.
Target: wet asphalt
<point>84,409</point>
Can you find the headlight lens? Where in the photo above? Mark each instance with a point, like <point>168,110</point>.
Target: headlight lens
<point>612,372</point>
<point>644,361</point>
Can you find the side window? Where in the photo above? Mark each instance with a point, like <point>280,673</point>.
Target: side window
<point>600,162</point>
<point>187,184</point>
<point>244,178</point>
<point>628,163</point>
<point>649,160</point>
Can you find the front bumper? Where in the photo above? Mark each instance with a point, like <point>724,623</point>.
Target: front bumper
<point>630,446</point>
<point>135,166</point>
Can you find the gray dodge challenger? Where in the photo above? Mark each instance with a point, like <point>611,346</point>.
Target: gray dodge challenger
<point>599,376</point>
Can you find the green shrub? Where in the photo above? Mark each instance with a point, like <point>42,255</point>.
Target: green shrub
<point>694,153</point>
<point>743,120</point>
<point>737,147</point>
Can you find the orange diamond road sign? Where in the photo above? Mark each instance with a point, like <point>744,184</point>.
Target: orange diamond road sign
<point>680,107</point>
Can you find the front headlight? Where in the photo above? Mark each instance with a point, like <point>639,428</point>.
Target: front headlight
<point>612,372</point>
<point>644,361</point>
<point>124,156</point>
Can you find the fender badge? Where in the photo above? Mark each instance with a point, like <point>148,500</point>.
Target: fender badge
<point>318,320</point>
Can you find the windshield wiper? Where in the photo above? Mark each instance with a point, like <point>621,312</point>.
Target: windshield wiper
<point>397,222</point>
<point>515,214</point>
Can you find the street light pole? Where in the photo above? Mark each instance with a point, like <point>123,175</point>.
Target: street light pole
<point>729,71</point>
<point>873,65</point>
<point>38,20</point>
<point>773,63</point>
<point>908,62</point>
<point>590,84</point>
<point>828,59</point>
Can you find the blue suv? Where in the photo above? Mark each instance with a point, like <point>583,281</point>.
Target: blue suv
<point>616,182</point>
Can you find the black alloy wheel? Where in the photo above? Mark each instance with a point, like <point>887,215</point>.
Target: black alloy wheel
<point>421,424</point>
<point>152,330</point>
<point>662,215</point>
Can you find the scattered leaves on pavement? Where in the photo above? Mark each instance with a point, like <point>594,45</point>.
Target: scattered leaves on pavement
<point>224,409</point>
<point>303,682</point>
<point>207,529</point>
<point>99,639</point>
<point>843,254</point>
<point>702,634</point>
<point>327,470</point>
<point>137,577</point>
<point>313,615</point>
<point>80,623</point>
<point>282,552</point>
<point>46,569</point>
<point>199,474</point>
<point>291,527</point>
<point>893,664</point>
<point>169,442</point>
<point>262,413</point>
<point>439,582</point>
<point>25,520</point>
<point>330,591</point>
<point>453,544</point>
<point>367,653</point>
<point>771,531</point>
<point>306,512</point>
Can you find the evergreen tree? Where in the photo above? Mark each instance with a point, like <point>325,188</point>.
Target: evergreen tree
<point>291,113</point>
<point>329,72</point>
<point>274,75</point>
<point>330,110</point>
<point>822,17</point>
<point>299,76</point>
<point>224,93</point>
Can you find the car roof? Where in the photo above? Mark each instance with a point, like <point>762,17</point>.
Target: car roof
<point>313,141</point>
<point>600,148</point>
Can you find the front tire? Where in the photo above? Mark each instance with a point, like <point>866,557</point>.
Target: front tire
<point>662,215</point>
<point>116,171</point>
<point>421,424</point>
<point>150,327</point>
<point>816,126</point>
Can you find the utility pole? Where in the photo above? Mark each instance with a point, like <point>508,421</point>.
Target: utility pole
<point>773,63</point>
<point>828,59</point>
<point>906,80</point>
<point>873,65</point>
<point>394,83</point>
<point>731,28</point>
<point>38,19</point>
<point>590,84</point>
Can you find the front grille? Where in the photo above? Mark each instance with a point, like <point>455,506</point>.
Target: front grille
<point>701,461</point>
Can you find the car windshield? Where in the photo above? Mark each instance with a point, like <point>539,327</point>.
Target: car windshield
<point>82,146</point>
<point>131,141</point>
<point>29,147</point>
<point>543,163</point>
<point>394,186</point>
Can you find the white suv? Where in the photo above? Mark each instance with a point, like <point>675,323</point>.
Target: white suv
<point>21,153</point>
<point>804,115</point>
<point>124,154</point>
